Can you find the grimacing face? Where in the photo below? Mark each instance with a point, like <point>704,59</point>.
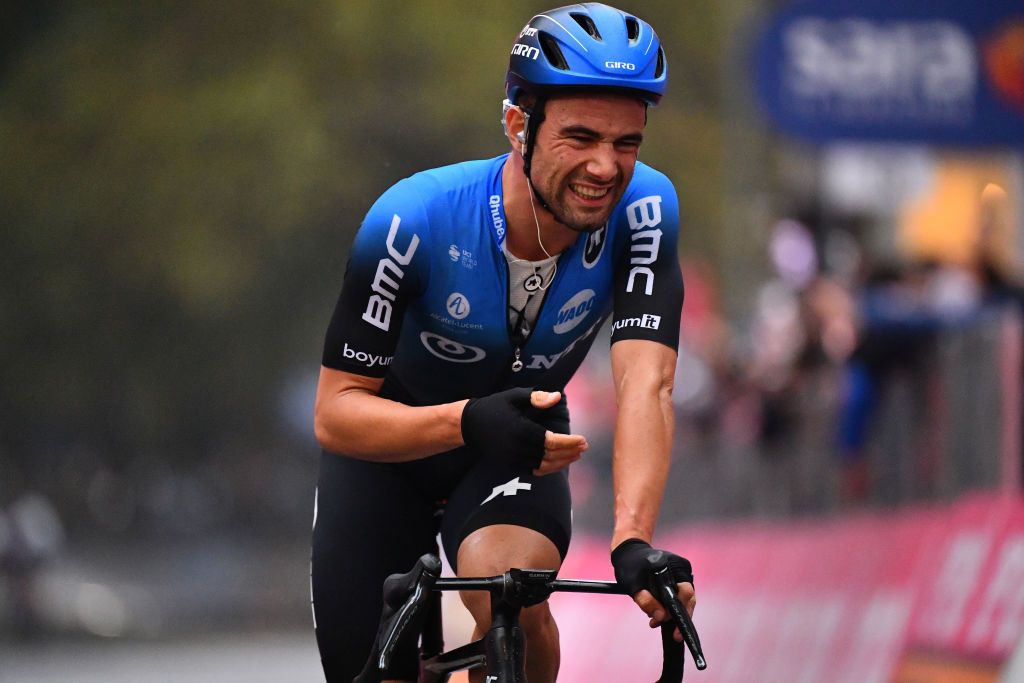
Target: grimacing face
<point>584,156</point>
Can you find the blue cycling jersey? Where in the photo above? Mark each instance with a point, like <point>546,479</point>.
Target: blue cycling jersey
<point>424,303</point>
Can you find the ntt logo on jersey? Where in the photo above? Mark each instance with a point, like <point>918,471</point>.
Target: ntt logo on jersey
<point>574,311</point>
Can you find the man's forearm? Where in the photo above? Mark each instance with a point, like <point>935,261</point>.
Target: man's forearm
<point>365,426</point>
<point>640,464</point>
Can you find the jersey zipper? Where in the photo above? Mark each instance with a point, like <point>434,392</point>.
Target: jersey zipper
<point>519,340</point>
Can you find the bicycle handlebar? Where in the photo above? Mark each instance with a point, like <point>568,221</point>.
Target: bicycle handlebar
<point>406,595</point>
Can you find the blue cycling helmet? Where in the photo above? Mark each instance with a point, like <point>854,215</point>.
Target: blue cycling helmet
<point>587,46</point>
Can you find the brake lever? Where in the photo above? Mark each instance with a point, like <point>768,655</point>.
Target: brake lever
<point>429,570</point>
<point>397,630</point>
<point>666,585</point>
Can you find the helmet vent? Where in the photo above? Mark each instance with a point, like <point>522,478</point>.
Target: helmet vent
<point>551,50</point>
<point>632,28</point>
<point>587,24</point>
<point>660,68</point>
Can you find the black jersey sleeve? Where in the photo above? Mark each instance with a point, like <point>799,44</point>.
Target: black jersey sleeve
<point>648,282</point>
<point>387,268</point>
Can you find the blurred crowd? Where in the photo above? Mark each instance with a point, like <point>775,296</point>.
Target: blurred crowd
<point>855,380</point>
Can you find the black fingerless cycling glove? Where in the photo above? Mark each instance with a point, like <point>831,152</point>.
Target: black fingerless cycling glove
<point>505,426</point>
<point>633,570</point>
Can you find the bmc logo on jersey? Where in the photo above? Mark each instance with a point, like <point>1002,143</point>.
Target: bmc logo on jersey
<point>574,311</point>
<point>449,350</point>
<point>594,247</point>
<point>385,287</point>
<point>644,215</point>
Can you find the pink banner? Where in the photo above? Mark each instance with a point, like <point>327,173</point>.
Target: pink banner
<point>839,600</point>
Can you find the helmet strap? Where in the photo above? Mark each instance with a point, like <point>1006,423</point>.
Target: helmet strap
<point>534,117</point>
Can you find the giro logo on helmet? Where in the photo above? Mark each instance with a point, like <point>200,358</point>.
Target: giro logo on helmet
<point>521,50</point>
<point>620,65</point>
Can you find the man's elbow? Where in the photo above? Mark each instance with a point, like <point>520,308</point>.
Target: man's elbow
<point>329,433</point>
<point>322,433</point>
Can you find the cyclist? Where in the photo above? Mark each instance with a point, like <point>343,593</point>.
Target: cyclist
<point>471,295</point>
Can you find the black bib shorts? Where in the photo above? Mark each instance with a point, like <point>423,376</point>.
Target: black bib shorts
<point>375,519</point>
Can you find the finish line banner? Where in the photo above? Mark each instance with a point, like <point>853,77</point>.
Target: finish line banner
<point>872,598</point>
<point>933,71</point>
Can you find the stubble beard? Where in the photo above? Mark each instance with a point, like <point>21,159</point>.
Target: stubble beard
<point>588,224</point>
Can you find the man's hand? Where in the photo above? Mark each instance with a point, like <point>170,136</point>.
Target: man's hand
<point>633,572</point>
<point>514,426</point>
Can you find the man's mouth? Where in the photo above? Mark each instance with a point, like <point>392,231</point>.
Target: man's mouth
<point>589,192</point>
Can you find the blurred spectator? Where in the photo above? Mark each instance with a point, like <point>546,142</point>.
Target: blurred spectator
<point>897,334</point>
<point>30,536</point>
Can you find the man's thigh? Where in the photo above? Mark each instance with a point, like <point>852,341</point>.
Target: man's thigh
<point>494,494</point>
<point>370,522</point>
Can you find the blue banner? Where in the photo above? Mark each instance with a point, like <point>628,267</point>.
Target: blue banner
<point>934,71</point>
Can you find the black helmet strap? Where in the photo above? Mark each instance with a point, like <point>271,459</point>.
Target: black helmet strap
<point>534,117</point>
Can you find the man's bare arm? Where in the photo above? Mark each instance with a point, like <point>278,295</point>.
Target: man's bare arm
<point>351,418</point>
<point>643,372</point>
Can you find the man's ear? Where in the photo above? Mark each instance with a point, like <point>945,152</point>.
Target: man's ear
<point>515,128</point>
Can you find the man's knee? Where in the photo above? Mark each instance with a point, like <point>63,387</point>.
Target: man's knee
<point>537,621</point>
<point>497,548</point>
<point>493,550</point>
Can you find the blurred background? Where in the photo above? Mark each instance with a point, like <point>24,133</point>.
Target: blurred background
<point>180,185</point>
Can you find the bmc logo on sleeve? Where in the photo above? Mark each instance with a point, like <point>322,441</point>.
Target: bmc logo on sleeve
<point>644,217</point>
<point>647,321</point>
<point>385,287</point>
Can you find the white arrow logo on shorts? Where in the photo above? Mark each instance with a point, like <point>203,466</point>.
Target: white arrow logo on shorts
<point>509,488</point>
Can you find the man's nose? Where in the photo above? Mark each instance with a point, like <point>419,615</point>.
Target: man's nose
<point>603,163</point>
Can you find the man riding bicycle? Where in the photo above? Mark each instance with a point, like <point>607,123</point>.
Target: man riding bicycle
<point>471,296</point>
